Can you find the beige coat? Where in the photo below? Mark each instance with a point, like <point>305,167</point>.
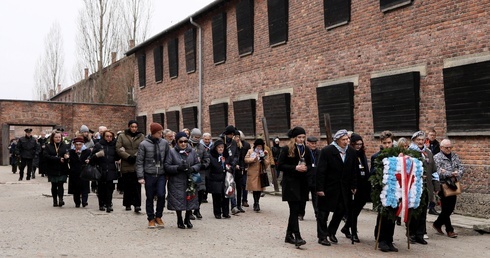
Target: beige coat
<point>254,169</point>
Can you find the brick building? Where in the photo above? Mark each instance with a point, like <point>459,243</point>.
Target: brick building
<point>396,65</point>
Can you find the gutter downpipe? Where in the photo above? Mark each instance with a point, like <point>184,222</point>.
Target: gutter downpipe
<point>199,45</point>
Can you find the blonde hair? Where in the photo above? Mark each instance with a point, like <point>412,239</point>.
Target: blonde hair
<point>291,144</point>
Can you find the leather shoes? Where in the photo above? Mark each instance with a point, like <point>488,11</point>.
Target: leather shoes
<point>383,246</point>
<point>333,239</point>
<point>289,239</point>
<point>433,211</point>
<point>417,239</point>
<point>452,234</point>
<point>438,229</point>
<point>301,218</point>
<point>324,242</point>
<point>217,216</point>
<point>355,238</point>
<point>392,248</point>
<point>346,232</point>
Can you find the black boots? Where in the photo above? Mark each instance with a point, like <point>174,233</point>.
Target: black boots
<point>55,201</point>
<point>197,213</point>
<point>187,220</point>
<point>346,231</point>
<point>289,238</point>
<point>298,240</point>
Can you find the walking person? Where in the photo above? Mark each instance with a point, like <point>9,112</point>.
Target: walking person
<point>336,183</point>
<point>449,167</point>
<point>26,151</point>
<point>203,157</point>
<point>105,156</point>
<point>150,172</point>
<point>127,148</point>
<point>219,165</point>
<point>42,141</point>
<point>311,142</point>
<point>258,160</point>
<point>294,161</point>
<point>181,162</point>
<point>241,171</point>
<point>56,156</point>
<point>77,186</point>
<point>13,156</point>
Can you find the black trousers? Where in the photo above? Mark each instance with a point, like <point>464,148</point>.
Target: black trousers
<point>321,224</point>
<point>447,207</point>
<point>337,217</point>
<point>293,223</point>
<point>417,226</point>
<point>131,189</point>
<point>387,229</point>
<point>221,205</point>
<point>104,193</point>
<point>314,202</point>
<point>23,164</point>
<point>354,211</point>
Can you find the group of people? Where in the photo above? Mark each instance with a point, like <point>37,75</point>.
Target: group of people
<point>180,169</point>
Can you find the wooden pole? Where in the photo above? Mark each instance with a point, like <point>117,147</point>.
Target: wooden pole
<point>328,127</point>
<point>268,142</point>
<point>379,231</point>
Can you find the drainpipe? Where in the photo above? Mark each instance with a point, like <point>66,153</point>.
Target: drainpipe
<point>199,61</point>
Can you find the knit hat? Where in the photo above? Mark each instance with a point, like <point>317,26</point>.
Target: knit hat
<point>78,139</point>
<point>229,130</point>
<point>84,129</point>
<point>355,137</point>
<point>296,131</point>
<point>259,142</point>
<point>155,128</point>
<point>339,134</point>
<point>195,132</point>
<point>418,134</point>
<point>218,143</point>
<point>132,122</point>
<point>180,135</point>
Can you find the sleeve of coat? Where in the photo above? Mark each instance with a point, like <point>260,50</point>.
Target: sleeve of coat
<point>140,161</point>
<point>283,165</point>
<point>247,158</point>
<point>170,168</point>
<point>321,171</point>
<point>123,154</point>
<point>195,163</point>
<point>205,159</point>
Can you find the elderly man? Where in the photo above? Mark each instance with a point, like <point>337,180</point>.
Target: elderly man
<point>448,167</point>
<point>335,185</point>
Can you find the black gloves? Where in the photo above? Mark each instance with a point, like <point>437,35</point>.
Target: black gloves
<point>183,168</point>
<point>131,159</point>
<point>192,170</point>
<point>203,167</point>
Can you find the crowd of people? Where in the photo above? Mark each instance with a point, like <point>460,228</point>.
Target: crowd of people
<point>179,169</point>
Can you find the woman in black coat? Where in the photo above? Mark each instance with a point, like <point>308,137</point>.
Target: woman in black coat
<point>56,156</point>
<point>77,186</point>
<point>104,155</point>
<point>219,161</point>
<point>294,161</point>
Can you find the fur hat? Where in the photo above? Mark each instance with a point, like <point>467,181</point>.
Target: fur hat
<point>84,129</point>
<point>296,131</point>
<point>155,128</point>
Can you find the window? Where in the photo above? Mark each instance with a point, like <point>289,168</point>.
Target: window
<point>395,101</point>
<point>337,101</point>
<point>173,120</point>
<point>467,97</point>
<point>158,63</point>
<point>173,58</point>
<point>190,50</point>
<point>244,111</point>
<point>141,123</point>
<point>159,118</point>
<point>278,12</point>
<point>219,38</point>
<point>142,70</point>
<point>189,117</point>
<point>218,117</point>
<point>386,5</point>
<point>277,111</point>
<point>337,13</point>
<point>245,26</point>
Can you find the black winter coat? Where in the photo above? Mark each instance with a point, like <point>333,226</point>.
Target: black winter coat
<point>107,164</point>
<point>294,183</point>
<point>335,177</point>
<point>217,172</point>
<point>54,166</point>
<point>77,163</point>
<point>27,148</point>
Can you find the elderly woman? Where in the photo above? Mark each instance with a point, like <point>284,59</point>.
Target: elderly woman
<point>294,160</point>
<point>77,186</point>
<point>258,160</point>
<point>105,156</point>
<point>181,162</point>
<point>448,167</point>
<point>56,157</point>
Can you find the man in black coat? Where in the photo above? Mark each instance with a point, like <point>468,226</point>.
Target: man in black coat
<point>27,150</point>
<point>336,183</point>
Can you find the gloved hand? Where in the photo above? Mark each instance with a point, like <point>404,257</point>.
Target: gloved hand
<point>131,159</point>
<point>203,167</point>
<point>183,168</point>
<point>100,154</point>
<point>192,170</point>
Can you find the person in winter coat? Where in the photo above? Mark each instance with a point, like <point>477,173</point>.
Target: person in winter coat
<point>56,155</point>
<point>311,143</point>
<point>26,151</point>
<point>42,141</point>
<point>105,156</point>
<point>13,157</point>
<point>241,171</point>
<point>77,186</point>
<point>150,172</point>
<point>220,164</point>
<point>276,150</point>
<point>294,161</point>
<point>363,191</point>
<point>258,160</point>
<point>203,156</point>
<point>181,162</point>
<point>127,148</point>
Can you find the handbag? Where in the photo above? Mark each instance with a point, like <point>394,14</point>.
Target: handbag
<point>264,180</point>
<point>90,172</point>
<point>451,187</point>
<point>196,178</point>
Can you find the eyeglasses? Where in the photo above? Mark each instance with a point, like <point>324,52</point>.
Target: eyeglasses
<point>450,147</point>
<point>183,141</point>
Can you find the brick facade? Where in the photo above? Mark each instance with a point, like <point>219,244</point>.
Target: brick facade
<point>420,37</point>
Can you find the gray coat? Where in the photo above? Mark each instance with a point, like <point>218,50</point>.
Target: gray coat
<point>203,156</point>
<point>177,181</point>
<point>145,161</point>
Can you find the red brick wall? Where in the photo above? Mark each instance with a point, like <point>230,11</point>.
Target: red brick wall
<point>422,34</point>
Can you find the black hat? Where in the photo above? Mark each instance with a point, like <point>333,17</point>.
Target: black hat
<point>354,137</point>
<point>229,130</point>
<point>218,143</point>
<point>28,130</point>
<point>132,122</point>
<point>296,131</point>
<point>259,142</point>
<point>312,139</point>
